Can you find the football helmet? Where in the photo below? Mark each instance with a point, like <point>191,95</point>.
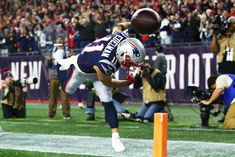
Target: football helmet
<point>130,52</point>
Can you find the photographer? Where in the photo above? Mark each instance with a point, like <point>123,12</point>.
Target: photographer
<point>224,85</point>
<point>154,93</point>
<point>59,52</point>
<point>13,97</point>
<point>205,110</point>
<point>223,44</point>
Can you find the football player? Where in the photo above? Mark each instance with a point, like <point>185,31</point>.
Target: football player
<point>96,62</point>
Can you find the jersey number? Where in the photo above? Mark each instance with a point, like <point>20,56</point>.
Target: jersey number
<point>97,45</point>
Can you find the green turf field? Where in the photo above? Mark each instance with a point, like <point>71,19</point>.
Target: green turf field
<point>180,129</point>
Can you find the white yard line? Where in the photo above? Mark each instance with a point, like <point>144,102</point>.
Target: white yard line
<point>83,145</point>
<point>201,129</point>
<point>78,125</point>
<point>98,146</point>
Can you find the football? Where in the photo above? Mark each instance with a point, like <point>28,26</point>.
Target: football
<point>145,21</point>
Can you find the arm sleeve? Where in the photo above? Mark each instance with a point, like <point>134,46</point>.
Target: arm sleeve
<point>106,68</point>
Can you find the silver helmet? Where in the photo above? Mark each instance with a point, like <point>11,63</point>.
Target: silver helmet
<point>130,52</point>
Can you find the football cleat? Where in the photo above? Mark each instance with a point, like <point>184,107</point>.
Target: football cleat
<point>116,143</point>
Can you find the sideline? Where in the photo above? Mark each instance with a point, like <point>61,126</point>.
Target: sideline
<point>99,146</point>
<point>78,125</point>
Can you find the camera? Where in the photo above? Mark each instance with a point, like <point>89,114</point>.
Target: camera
<point>219,26</point>
<point>29,80</point>
<point>143,67</point>
<point>23,82</point>
<point>198,95</point>
<point>205,110</point>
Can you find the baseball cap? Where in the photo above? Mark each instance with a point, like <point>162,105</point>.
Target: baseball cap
<point>6,74</point>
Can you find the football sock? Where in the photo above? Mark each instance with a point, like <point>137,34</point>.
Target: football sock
<point>110,114</point>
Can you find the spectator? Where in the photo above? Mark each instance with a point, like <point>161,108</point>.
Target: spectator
<point>204,29</point>
<point>165,31</point>
<point>86,30</point>
<point>177,30</point>
<point>3,43</point>
<point>11,41</point>
<point>191,25</point>
<point>51,12</point>
<point>40,36</point>
<point>25,40</point>
<point>3,19</point>
<point>100,26</point>
<point>76,39</point>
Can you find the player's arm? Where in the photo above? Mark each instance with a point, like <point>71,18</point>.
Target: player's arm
<point>120,27</point>
<point>109,81</point>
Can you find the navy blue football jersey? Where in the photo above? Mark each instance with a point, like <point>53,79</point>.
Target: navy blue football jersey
<point>102,53</point>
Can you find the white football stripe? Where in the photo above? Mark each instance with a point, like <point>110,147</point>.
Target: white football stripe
<point>98,146</point>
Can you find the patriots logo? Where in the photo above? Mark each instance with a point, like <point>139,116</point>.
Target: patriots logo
<point>135,50</point>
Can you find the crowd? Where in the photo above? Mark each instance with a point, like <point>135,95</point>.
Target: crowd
<point>32,25</point>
